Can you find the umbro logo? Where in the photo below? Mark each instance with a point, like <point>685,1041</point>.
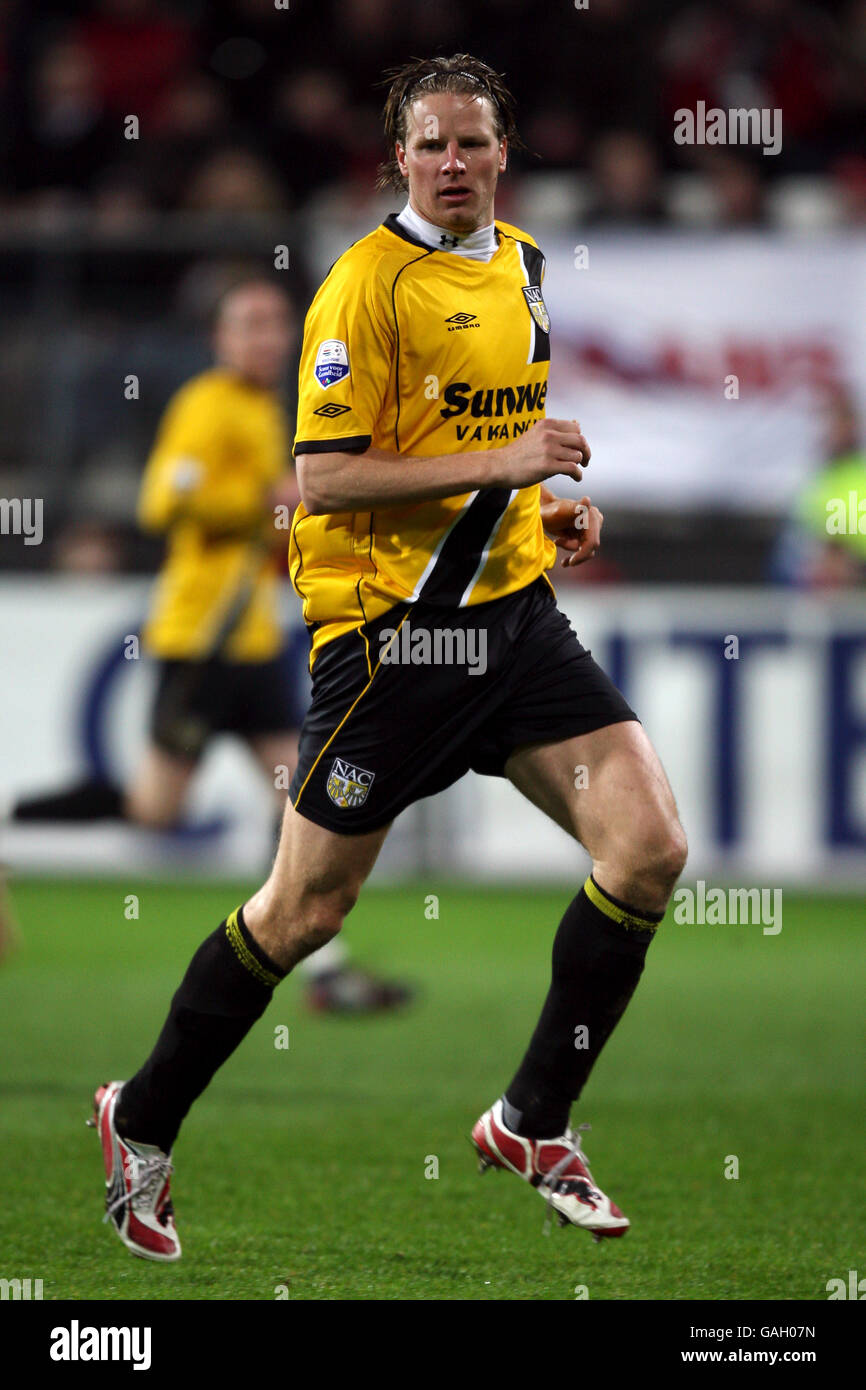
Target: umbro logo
<point>458,321</point>
<point>331,409</point>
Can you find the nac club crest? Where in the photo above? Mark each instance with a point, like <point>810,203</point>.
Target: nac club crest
<point>537,306</point>
<point>348,784</point>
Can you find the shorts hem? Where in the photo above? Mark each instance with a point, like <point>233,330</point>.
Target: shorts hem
<point>311,814</point>
<point>604,721</point>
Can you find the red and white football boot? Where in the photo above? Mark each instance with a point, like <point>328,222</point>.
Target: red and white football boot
<point>556,1167</point>
<point>137,1200</point>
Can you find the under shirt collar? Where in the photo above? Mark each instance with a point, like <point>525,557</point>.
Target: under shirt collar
<point>479,245</point>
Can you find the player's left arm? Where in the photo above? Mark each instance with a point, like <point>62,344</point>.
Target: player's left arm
<point>190,475</point>
<point>573,526</point>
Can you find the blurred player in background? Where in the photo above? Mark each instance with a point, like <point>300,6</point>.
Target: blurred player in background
<point>823,543</point>
<point>213,482</point>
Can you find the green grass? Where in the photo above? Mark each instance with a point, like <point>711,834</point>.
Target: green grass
<point>306,1167</point>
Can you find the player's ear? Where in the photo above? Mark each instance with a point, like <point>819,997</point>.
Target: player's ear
<point>503,154</point>
<point>400,156</point>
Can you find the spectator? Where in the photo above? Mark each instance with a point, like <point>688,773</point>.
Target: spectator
<point>137,50</point>
<point>237,181</point>
<point>626,185</point>
<point>757,53</point>
<point>311,129</point>
<point>737,188</point>
<point>823,545</point>
<point>62,137</point>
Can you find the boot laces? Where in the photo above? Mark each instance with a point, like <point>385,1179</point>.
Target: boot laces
<point>572,1139</point>
<point>148,1175</point>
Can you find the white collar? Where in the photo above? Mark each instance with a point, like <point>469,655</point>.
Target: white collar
<point>479,245</point>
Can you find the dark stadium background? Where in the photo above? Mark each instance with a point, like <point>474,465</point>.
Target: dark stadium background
<point>256,121</point>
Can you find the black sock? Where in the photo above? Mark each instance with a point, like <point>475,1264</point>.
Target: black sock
<point>227,987</point>
<point>93,799</point>
<point>598,958</point>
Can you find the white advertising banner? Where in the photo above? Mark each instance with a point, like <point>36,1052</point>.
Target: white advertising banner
<point>755,701</point>
<point>696,364</point>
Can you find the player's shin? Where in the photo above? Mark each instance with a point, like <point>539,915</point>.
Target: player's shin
<point>598,958</point>
<point>226,989</point>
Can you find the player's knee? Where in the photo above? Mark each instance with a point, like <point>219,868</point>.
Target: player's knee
<point>309,920</point>
<point>649,862</point>
<point>323,916</point>
<point>666,854</point>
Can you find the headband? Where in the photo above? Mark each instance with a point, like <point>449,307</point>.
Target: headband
<point>412,91</point>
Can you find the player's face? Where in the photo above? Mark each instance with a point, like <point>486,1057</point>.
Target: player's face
<point>452,159</point>
<point>254,334</point>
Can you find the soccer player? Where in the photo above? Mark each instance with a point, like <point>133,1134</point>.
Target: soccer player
<point>422,448</point>
<point>215,476</point>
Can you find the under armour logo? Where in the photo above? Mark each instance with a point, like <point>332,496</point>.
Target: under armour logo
<point>446,240</point>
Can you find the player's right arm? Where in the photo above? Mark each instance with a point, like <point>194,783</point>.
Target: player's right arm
<point>346,482</point>
<point>346,387</point>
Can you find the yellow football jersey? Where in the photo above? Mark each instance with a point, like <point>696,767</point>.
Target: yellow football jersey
<point>421,352</point>
<point>221,446</point>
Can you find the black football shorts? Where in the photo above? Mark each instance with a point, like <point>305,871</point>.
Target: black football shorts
<point>195,700</point>
<point>405,705</point>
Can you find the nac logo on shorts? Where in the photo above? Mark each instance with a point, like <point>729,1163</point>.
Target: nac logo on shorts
<point>332,362</point>
<point>537,306</point>
<point>348,785</point>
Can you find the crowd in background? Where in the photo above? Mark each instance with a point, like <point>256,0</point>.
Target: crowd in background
<point>245,105</point>
<point>126,121</point>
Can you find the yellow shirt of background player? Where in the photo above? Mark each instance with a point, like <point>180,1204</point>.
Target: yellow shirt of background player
<point>420,352</point>
<point>221,446</point>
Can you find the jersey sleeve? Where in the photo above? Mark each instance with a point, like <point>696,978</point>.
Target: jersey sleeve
<point>188,476</point>
<point>346,362</point>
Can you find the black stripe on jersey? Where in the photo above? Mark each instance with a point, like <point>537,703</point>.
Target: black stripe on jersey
<point>399,230</point>
<point>427,252</point>
<point>458,560</point>
<point>533,259</point>
<point>355,443</point>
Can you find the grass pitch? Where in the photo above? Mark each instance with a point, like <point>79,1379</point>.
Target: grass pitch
<point>302,1171</point>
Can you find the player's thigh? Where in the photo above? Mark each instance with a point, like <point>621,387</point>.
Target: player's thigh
<point>606,788</point>
<point>156,793</point>
<point>315,880</point>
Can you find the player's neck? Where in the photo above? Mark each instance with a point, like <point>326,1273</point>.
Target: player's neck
<point>479,245</point>
<point>242,378</point>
